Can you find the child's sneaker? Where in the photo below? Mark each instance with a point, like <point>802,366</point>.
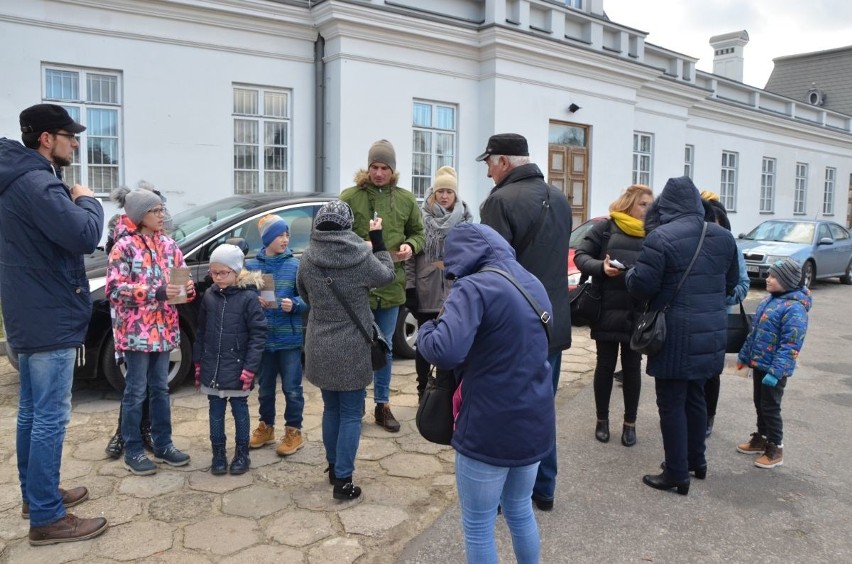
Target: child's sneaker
<point>291,442</point>
<point>263,435</point>
<point>172,457</point>
<point>772,457</point>
<point>756,445</point>
<point>140,465</point>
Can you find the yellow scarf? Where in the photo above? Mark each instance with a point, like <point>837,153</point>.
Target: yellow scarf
<point>629,224</point>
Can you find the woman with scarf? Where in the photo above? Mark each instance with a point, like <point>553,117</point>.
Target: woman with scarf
<point>619,239</point>
<point>425,285</point>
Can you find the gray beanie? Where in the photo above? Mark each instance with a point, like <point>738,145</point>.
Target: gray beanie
<point>788,273</point>
<point>138,202</point>
<point>229,255</point>
<point>382,152</point>
<point>334,216</point>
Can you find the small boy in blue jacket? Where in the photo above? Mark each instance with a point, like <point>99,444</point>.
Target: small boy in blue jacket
<point>771,349</point>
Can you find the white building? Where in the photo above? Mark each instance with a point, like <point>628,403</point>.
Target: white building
<point>205,98</point>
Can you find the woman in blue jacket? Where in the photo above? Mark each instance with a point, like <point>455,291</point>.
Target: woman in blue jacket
<point>505,424</point>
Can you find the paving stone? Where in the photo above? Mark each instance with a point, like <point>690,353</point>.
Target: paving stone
<point>370,519</point>
<point>288,474</point>
<point>184,506</point>
<point>205,481</point>
<point>402,492</point>
<point>300,528</point>
<point>411,465</point>
<point>94,406</point>
<point>116,509</point>
<point>192,428</point>
<point>256,502</point>
<point>268,555</point>
<point>91,450</point>
<point>151,486</point>
<point>133,541</point>
<point>319,498</point>
<point>266,456</point>
<point>338,550</point>
<point>11,524</point>
<point>79,397</point>
<point>192,401</point>
<point>74,469</point>
<point>10,495</point>
<point>422,446</point>
<point>222,535</point>
<point>51,553</point>
<point>78,420</point>
<point>178,556</point>
<point>376,449</point>
<point>448,456</point>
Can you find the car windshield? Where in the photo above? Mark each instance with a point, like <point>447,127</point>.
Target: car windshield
<point>783,231</point>
<point>200,219</point>
<point>578,234</point>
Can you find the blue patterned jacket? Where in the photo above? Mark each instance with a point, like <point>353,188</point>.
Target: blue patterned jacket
<point>780,324</point>
<point>284,330</point>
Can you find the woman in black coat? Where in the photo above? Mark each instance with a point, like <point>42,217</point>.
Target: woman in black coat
<point>619,238</point>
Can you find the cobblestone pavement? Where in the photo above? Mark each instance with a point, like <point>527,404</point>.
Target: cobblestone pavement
<point>280,511</point>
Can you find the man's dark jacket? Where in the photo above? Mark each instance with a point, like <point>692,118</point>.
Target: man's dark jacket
<point>43,237</point>
<point>511,209</point>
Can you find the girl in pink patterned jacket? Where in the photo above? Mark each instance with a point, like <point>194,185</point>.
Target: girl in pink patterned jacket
<point>145,326</point>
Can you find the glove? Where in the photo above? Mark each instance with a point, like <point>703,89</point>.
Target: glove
<point>247,378</point>
<point>197,375</point>
<point>770,380</point>
<point>411,301</point>
<point>739,365</point>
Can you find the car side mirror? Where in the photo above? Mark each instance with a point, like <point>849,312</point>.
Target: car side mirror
<point>741,236</point>
<point>826,241</point>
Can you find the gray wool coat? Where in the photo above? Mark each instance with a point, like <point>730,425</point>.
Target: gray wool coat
<point>337,356</point>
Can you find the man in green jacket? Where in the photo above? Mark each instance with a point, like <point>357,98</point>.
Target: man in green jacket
<point>376,194</point>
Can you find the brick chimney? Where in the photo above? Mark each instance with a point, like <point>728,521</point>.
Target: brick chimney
<point>728,54</point>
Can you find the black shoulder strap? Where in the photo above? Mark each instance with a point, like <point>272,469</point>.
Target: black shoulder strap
<point>688,268</point>
<point>528,236</point>
<point>543,316</point>
<point>329,281</point>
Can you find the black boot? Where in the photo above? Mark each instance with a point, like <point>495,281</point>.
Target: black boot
<point>147,438</point>
<point>332,479</point>
<point>115,446</point>
<point>665,482</point>
<point>602,430</point>
<point>219,465</point>
<point>346,490</point>
<point>241,462</point>
<point>628,434</point>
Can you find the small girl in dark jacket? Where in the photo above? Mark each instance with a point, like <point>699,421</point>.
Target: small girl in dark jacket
<point>227,352</point>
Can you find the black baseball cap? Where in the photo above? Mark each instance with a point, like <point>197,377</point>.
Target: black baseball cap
<point>48,117</point>
<point>509,144</point>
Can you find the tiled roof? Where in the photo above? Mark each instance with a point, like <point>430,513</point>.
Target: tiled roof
<point>828,71</point>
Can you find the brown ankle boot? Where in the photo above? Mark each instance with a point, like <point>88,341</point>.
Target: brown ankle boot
<point>70,498</point>
<point>384,418</point>
<point>68,529</point>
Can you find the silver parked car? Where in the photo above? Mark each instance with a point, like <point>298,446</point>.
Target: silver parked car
<point>823,248</point>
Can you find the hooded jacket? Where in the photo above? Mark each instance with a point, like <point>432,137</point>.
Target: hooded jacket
<point>43,237</point>
<point>401,223</point>
<point>780,324</point>
<point>284,329</point>
<point>337,356</point>
<point>696,322</point>
<point>231,335</point>
<point>494,341</point>
<point>512,209</point>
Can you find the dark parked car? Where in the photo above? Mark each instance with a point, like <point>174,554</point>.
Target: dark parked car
<point>577,236</point>
<point>198,231</point>
<point>823,248</point>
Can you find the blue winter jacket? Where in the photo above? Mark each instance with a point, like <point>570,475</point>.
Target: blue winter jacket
<point>696,322</point>
<point>43,237</point>
<point>497,346</point>
<point>284,329</point>
<point>780,324</point>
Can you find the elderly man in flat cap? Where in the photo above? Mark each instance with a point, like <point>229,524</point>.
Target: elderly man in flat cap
<point>535,218</point>
<point>45,229</point>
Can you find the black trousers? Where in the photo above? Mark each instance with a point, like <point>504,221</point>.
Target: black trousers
<point>631,366</point>
<point>767,403</point>
<point>683,422</point>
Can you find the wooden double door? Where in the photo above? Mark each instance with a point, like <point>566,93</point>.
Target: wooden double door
<point>568,166</point>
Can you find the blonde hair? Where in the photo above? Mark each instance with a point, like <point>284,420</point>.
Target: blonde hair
<point>629,197</point>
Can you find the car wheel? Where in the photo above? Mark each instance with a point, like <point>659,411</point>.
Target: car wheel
<point>405,335</point>
<point>12,356</point>
<point>808,274</point>
<point>847,278</point>
<point>180,362</point>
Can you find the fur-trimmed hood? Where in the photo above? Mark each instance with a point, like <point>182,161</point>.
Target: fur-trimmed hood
<point>250,278</point>
<point>362,179</point>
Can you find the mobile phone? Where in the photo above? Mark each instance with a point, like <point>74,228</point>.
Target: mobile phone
<point>375,215</point>
<point>616,264</point>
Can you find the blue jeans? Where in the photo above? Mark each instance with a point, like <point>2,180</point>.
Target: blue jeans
<point>239,409</point>
<point>287,363</point>
<point>147,376</point>
<point>386,320</point>
<point>341,428</point>
<point>545,481</point>
<point>683,422</point>
<point>482,487</point>
<point>44,409</point>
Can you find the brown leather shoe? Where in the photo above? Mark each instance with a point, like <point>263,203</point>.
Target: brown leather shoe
<point>70,498</point>
<point>384,418</point>
<point>68,529</point>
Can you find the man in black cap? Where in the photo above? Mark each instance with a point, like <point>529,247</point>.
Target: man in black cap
<point>45,229</point>
<point>535,218</point>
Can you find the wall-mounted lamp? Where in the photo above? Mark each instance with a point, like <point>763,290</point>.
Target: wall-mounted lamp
<point>573,108</point>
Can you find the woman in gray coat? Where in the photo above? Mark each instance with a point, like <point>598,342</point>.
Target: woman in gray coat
<point>337,356</point>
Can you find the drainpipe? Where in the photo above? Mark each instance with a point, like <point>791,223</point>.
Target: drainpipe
<point>319,113</point>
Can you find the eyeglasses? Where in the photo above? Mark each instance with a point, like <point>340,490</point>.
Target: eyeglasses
<point>71,136</point>
<point>219,273</point>
<point>158,211</point>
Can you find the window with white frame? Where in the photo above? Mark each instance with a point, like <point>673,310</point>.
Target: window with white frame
<point>828,192</point>
<point>767,185</point>
<point>643,157</point>
<point>576,4</point>
<point>261,140</point>
<point>688,160</point>
<point>728,183</point>
<point>92,98</point>
<point>434,142</point>
<point>800,193</point>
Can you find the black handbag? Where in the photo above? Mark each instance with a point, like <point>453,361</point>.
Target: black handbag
<point>649,335</point>
<point>434,417</point>
<point>739,326</point>
<point>586,298</point>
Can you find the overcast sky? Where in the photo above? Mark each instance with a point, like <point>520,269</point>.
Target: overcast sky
<point>775,27</point>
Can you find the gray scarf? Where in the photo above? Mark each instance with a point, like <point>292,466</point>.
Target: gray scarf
<point>438,223</point>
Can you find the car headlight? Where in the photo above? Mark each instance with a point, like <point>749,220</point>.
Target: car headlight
<point>97,283</point>
<point>574,279</point>
<point>772,259</point>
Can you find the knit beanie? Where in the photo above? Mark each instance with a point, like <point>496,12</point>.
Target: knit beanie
<point>788,273</point>
<point>334,216</point>
<point>138,202</point>
<point>229,255</point>
<point>445,178</point>
<point>382,152</point>
<point>271,226</point>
